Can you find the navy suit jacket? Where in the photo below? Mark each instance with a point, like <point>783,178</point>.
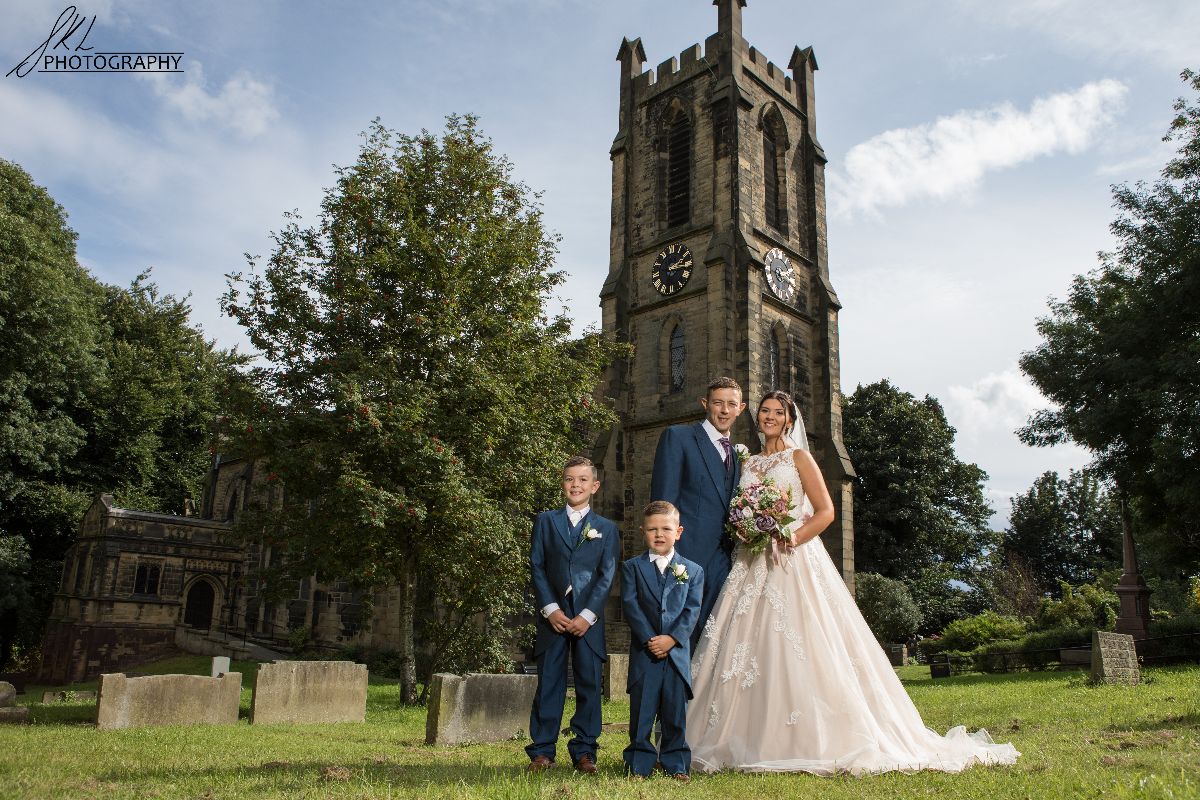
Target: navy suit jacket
<point>558,561</point>
<point>689,474</point>
<point>650,611</point>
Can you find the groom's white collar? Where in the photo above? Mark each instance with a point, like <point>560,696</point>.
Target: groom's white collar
<point>714,435</point>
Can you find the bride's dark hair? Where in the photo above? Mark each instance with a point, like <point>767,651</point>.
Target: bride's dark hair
<point>783,397</point>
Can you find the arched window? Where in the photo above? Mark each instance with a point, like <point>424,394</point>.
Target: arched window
<point>775,148</point>
<point>678,360</point>
<point>679,170</point>
<point>774,200</point>
<point>773,361</point>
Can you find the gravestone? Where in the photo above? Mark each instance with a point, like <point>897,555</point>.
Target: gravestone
<point>10,712</point>
<point>616,673</point>
<point>68,697</point>
<point>898,655</point>
<point>168,700</point>
<point>309,692</point>
<point>478,708</point>
<point>1114,658</point>
<point>220,665</point>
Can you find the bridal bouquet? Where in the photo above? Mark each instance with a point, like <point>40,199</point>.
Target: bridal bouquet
<point>758,514</point>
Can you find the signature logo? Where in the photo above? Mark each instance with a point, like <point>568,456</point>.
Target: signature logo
<point>70,35</point>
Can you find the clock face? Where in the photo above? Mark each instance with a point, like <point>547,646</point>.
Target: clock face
<point>781,275</point>
<point>671,269</point>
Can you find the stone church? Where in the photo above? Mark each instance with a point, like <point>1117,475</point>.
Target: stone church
<point>718,262</point>
<point>718,266</point>
<point>137,585</point>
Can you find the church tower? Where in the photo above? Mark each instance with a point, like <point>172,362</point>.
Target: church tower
<point>718,261</point>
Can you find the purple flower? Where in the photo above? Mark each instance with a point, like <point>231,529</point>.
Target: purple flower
<point>766,524</point>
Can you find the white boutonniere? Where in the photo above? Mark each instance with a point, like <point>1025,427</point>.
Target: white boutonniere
<point>742,452</point>
<point>680,573</point>
<point>588,533</point>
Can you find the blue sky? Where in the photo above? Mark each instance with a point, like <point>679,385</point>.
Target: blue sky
<point>972,145</point>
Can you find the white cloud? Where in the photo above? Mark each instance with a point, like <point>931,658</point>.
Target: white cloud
<point>1165,31</point>
<point>950,156</point>
<point>1000,401</point>
<point>243,104</point>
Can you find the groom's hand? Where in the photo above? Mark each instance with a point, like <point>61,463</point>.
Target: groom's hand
<point>558,620</point>
<point>660,645</point>
<point>578,626</point>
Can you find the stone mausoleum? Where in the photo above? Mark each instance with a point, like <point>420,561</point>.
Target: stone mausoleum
<point>137,585</point>
<point>718,263</point>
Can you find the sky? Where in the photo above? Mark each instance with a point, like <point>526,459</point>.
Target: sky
<point>972,148</point>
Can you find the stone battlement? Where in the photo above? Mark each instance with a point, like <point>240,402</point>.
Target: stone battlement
<point>675,70</point>
<point>775,76</point>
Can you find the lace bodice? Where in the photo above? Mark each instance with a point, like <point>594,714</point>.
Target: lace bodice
<point>781,468</point>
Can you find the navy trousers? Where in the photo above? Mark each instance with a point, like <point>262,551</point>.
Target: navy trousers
<point>545,718</point>
<point>661,693</point>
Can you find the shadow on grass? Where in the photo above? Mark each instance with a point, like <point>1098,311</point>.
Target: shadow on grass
<point>296,775</point>
<point>62,714</point>
<point>993,678</point>
<point>1165,723</point>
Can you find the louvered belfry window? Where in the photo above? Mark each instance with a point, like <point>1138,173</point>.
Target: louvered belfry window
<point>679,171</point>
<point>771,181</point>
<point>678,360</point>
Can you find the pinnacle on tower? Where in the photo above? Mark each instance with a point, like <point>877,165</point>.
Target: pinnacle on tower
<point>729,16</point>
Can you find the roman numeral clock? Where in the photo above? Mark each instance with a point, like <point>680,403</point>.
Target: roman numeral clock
<point>718,263</point>
<point>671,269</point>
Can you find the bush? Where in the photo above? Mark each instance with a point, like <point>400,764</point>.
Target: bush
<point>1089,605</point>
<point>972,632</point>
<point>1033,651</point>
<point>383,662</point>
<point>888,607</point>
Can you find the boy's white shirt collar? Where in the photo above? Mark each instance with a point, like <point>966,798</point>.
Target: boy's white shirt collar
<point>575,516</point>
<point>661,565</point>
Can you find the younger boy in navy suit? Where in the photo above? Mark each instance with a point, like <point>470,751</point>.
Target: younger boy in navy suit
<point>573,560</point>
<point>661,593</point>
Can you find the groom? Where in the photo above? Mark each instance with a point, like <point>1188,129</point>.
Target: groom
<point>696,470</point>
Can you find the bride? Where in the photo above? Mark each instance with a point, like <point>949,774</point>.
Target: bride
<point>788,676</point>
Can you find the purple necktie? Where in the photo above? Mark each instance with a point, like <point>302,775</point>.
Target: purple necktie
<point>728,453</point>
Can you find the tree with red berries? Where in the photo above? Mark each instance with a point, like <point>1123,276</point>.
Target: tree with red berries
<point>415,397</point>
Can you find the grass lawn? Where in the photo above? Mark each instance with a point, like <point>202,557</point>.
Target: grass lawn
<point>1077,741</point>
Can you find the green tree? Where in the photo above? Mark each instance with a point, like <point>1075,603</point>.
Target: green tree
<point>15,597</point>
<point>415,396</point>
<point>919,512</point>
<point>887,606</point>
<point>1120,356</point>
<point>49,353</point>
<point>1065,530</point>
<point>101,389</point>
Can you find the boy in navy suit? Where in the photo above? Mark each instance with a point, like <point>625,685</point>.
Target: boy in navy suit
<point>573,560</point>
<point>661,593</point>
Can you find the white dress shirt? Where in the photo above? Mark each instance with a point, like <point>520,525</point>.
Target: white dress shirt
<point>573,515</point>
<point>715,436</point>
<point>662,561</point>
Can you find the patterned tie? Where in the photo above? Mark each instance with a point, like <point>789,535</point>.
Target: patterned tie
<point>728,453</point>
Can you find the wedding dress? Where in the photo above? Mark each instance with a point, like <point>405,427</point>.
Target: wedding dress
<point>788,676</point>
